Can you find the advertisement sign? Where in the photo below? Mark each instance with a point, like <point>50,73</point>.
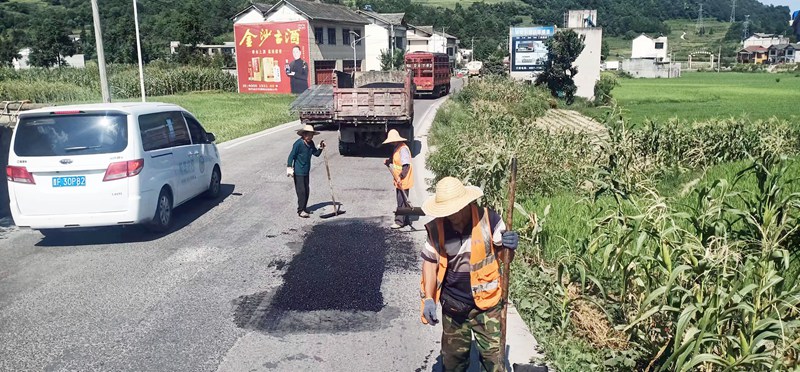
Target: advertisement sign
<point>528,52</point>
<point>272,57</point>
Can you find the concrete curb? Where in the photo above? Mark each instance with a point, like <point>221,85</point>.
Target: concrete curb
<point>521,346</point>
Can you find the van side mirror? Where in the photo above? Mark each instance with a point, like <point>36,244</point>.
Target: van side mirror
<point>211,137</point>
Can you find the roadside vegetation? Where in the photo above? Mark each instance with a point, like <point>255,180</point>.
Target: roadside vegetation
<point>671,246</point>
<point>701,96</point>
<point>208,92</point>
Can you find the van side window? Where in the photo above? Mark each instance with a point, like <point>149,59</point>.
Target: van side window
<point>162,130</point>
<point>196,130</point>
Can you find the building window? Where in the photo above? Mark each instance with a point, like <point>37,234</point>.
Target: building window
<point>318,35</point>
<point>450,51</point>
<point>398,42</point>
<point>346,36</point>
<point>332,36</point>
<point>659,45</point>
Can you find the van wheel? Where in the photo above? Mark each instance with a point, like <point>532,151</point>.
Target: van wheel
<point>163,217</point>
<point>215,185</point>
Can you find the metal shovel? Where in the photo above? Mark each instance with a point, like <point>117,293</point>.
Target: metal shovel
<point>407,211</point>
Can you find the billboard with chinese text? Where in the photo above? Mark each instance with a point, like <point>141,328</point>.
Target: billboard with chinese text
<point>527,48</point>
<point>272,57</point>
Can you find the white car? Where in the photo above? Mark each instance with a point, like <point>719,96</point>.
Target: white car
<point>108,164</point>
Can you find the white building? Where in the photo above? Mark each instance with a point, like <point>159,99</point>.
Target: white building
<point>386,32</point>
<point>588,62</point>
<point>581,19</point>
<point>765,40</point>
<point>645,47</point>
<point>76,60</point>
<point>427,39</point>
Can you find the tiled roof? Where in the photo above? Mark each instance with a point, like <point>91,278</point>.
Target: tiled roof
<point>754,49</point>
<point>430,30</point>
<point>321,11</point>
<point>394,19</point>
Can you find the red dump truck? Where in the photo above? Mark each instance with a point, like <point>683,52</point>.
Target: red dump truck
<point>364,106</point>
<point>431,73</point>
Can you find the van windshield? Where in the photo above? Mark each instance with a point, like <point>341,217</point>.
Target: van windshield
<point>83,134</point>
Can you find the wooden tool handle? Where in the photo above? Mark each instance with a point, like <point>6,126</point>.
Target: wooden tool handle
<point>505,256</point>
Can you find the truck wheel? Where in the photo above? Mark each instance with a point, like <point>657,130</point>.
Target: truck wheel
<point>345,149</point>
<point>409,134</point>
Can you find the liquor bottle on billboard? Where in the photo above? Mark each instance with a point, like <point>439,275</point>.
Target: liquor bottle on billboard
<point>256,68</point>
<point>277,72</point>
<point>287,66</point>
<point>267,67</point>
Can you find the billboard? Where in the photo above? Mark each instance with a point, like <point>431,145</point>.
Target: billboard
<point>527,49</point>
<point>272,57</point>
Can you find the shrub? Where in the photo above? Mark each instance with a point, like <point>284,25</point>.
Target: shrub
<point>603,88</point>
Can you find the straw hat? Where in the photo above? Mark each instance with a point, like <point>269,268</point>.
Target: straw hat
<point>394,136</point>
<point>307,129</point>
<point>451,196</point>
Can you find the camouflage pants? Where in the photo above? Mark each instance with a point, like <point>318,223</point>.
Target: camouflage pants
<point>457,339</point>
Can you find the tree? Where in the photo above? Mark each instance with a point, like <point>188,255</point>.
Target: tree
<point>604,50</point>
<point>50,42</point>
<point>393,62</point>
<point>562,51</point>
<point>8,52</point>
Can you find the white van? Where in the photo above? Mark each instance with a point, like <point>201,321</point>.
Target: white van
<point>108,164</point>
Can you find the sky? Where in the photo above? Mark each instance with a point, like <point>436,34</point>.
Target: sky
<point>792,4</point>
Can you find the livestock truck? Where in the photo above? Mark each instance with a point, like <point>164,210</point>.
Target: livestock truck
<point>364,106</point>
<point>431,73</point>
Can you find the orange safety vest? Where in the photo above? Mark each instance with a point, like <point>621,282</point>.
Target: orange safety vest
<point>397,168</point>
<point>484,274</point>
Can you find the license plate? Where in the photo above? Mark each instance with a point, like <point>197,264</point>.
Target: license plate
<point>69,181</point>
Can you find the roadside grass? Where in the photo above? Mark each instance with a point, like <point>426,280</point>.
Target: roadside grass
<point>697,96</point>
<point>233,115</point>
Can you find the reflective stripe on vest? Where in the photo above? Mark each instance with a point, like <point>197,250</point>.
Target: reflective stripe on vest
<point>397,168</point>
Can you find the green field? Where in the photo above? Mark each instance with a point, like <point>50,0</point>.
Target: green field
<point>620,47</point>
<point>233,115</point>
<point>705,95</point>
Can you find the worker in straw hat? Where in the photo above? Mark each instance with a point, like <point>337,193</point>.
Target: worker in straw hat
<point>403,176</point>
<point>460,271</point>
<point>299,165</point>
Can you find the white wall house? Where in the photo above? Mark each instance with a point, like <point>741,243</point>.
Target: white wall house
<point>765,40</point>
<point>386,32</point>
<point>645,47</point>
<point>330,28</point>
<point>427,39</point>
<point>76,60</point>
<point>588,62</point>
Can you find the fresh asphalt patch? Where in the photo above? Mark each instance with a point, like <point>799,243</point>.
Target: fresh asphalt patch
<point>334,282</point>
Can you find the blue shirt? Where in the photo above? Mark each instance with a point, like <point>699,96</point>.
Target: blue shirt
<point>300,157</point>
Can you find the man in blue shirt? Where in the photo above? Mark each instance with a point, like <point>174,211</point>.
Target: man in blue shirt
<point>299,165</point>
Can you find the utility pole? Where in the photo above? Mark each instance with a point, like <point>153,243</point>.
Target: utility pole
<point>472,53</point>
<point>139,50</point>
<point>746,30</point>
<point>700,27</point>
<point>101,58</point>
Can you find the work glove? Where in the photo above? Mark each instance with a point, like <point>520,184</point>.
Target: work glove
<point>429,311</point>
<point>322,144</point>
<point>510,239</point>
<point>289,171</point>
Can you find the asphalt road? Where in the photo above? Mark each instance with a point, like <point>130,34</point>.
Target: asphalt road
<point>240,284</point>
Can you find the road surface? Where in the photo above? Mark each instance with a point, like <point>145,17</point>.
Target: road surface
<point>240,284</point>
